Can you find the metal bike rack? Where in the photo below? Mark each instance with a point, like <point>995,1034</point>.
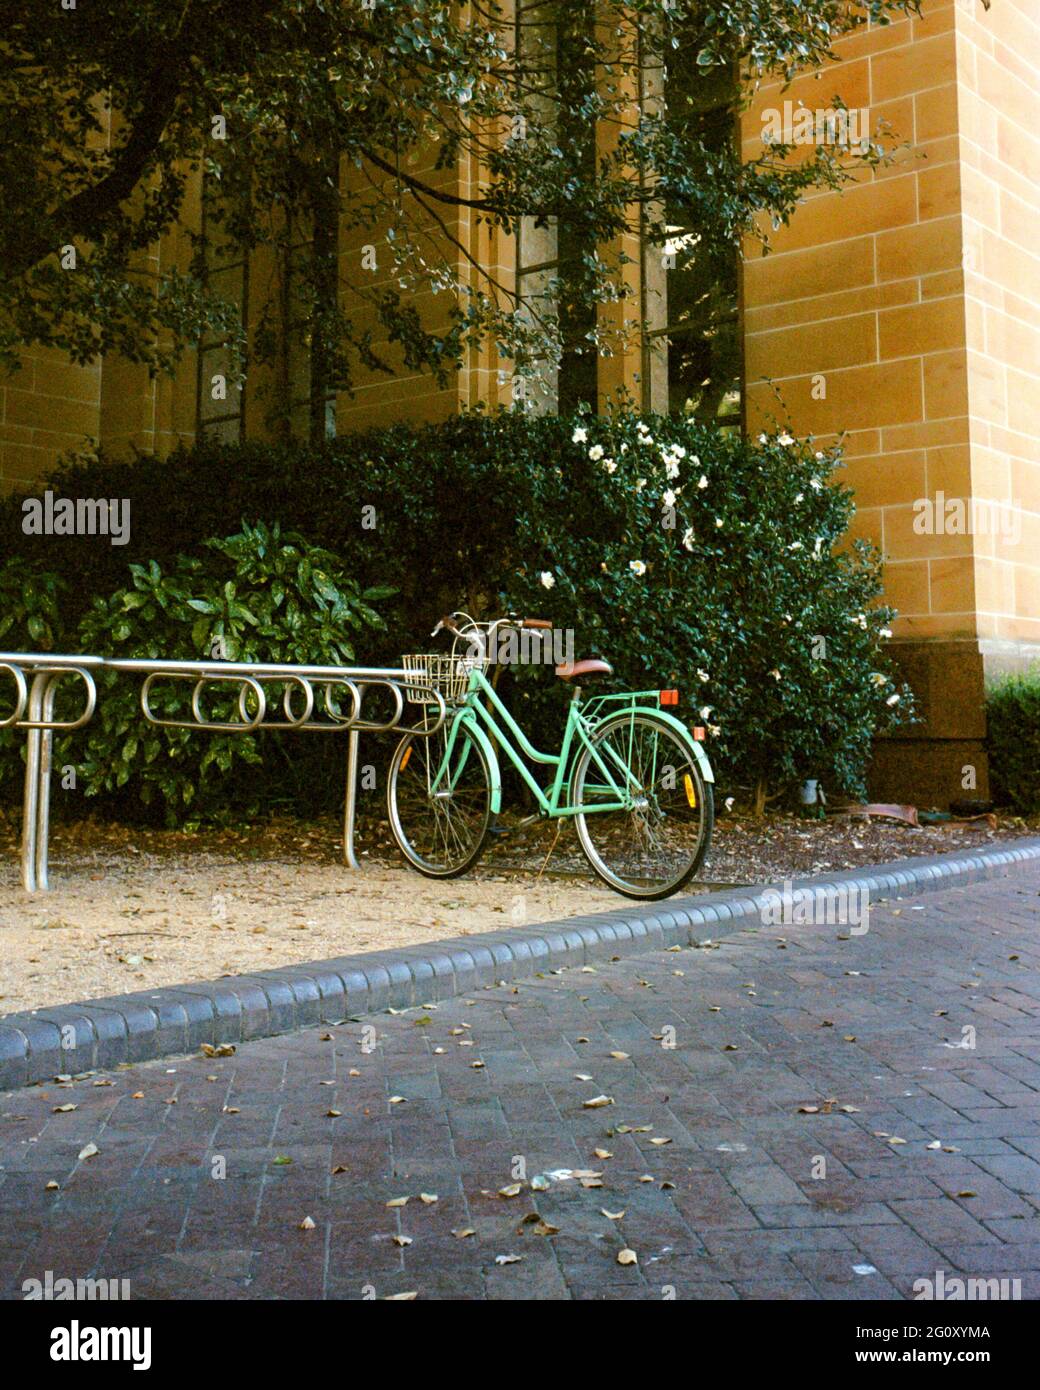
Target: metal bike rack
<point>37,677</point>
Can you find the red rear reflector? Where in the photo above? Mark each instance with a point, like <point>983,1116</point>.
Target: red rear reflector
<point>698,734</point>
<point>669,697</point>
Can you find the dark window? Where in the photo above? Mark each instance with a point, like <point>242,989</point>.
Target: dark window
<point>220,397</point>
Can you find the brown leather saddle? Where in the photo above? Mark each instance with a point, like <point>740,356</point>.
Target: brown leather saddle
<point>582,670</point>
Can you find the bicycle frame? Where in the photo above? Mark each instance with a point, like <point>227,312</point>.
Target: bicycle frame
<point>480,720</point>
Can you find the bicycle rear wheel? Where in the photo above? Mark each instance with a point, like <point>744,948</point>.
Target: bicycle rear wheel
<point>441,831</point>
<point>652,849</point>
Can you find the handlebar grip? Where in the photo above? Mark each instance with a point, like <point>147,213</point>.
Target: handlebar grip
<point>537,622</point>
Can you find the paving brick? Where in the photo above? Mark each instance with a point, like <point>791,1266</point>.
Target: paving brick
<point>731,1209</point>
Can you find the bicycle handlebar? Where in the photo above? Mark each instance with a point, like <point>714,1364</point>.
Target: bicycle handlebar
<point>511,619</point>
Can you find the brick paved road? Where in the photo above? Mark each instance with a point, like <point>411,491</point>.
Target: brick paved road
<point>873,1022</point>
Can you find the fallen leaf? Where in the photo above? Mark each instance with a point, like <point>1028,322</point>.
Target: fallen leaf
<point>89,1151</point>
<point>398,1202</point>
<point>627,1257</point>
<point>63,1109</point>
<point>597,1102</point>
<point>513,1190</point>
<point>620,1056</point>
<point>508,1259</point>
<point>602,1153</point>
<point>464,1232</point>
<point>400,1297</point>
<point>612,1215</point>
<point>306,1224</point>
<point>401,1240</point>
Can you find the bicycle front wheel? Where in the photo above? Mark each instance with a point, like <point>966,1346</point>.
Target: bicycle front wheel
<point>439,812</point>
<point>656,845</point>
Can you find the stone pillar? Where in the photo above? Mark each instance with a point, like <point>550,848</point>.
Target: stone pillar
<point>906,311</point>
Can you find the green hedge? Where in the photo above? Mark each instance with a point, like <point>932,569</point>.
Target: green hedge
<point>740,588</point>
<point>1013,741</point>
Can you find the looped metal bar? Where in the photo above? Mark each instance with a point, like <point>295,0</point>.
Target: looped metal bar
<point>37,676</point>
<point>44,718</point>
<point>21,691</point>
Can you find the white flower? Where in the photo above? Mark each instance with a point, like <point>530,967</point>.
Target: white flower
<point>762,439</point>
<point>878,678</point>
<point>687,539</point>
<point>795,545</point>
<point>637,567</point>
<point>579,436</point>
<point>677,451</point>
<point>800,497</point>
<point>706,712</point>
<point>893,699</point>
<point>671,469</point>
<point>715,730</point>
<point>776,675</point>
<point>668,497</point>
<point>815,484</point>
<point>702,481</point>
<point>729,802</point>
<point>718,522</point>
<point>596,452</point>
<point>818,548</point>
<point>785,439</point>
<point>610,465</point>
<point>624,448</point>
<point>703,676</point>
<point>695,461</point>
<point>640,484</point>
<point>885,632</point>
<point>642,427</point>
<point>548,579</point>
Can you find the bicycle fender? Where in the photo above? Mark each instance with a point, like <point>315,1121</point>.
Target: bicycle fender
<point>681,729</point>
<point>481,737</point>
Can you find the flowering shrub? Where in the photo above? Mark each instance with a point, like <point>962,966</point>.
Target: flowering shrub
<point>724,572</point>
<point>686,557</point>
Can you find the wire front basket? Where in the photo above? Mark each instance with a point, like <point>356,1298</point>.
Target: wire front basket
<point>448,674</point>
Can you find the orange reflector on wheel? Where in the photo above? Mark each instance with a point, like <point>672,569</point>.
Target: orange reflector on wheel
<point>691,795</point>
<point>698,733</point>
<point>405,756</point>
<point>669,697</point>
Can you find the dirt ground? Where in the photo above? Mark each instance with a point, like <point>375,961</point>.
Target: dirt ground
<point>134,909</point>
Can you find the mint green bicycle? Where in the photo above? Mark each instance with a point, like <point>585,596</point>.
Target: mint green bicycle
<point>634,778</point>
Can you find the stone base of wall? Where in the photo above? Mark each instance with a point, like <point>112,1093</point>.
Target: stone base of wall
<point>935,761</point>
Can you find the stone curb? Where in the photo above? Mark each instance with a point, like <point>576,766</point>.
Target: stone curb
<point>99,1034</point>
